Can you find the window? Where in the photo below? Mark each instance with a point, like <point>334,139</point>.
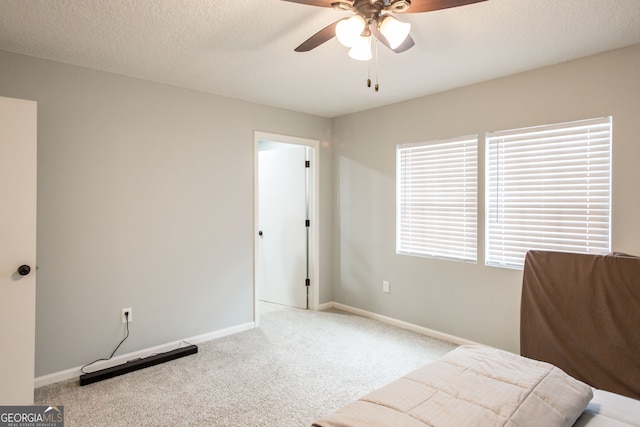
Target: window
<point>436,199</point>
<point>548,188</point>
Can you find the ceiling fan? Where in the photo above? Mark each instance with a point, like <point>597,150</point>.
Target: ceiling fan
<point>372,17</point>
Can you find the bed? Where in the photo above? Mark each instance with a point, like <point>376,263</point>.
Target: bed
<point>579,363</point>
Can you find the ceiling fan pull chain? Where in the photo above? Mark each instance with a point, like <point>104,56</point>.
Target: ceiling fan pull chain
<point>369,74</point>
<point>377,72</point>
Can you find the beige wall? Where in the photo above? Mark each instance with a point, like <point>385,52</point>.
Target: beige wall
<point>472,301</point>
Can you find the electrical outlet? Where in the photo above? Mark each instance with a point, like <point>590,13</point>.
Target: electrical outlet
<point>130,315</point>
<point>385,286</point>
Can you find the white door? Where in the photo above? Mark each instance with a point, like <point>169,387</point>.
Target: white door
<point>282,208</point>
<point>18,127</point>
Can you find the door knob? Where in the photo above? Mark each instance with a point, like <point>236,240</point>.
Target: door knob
<point>23,270</point>
<point>260,233</point>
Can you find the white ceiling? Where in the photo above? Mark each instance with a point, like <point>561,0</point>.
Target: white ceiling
<point>244,48</point>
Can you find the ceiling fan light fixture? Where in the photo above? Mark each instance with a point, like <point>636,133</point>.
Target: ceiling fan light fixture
<point>349,30</point>
<point>361,51</point>
<point>393,30</point>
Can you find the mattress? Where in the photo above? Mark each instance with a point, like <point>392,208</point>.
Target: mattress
<point>608,409</point>
<point>581,313</point>
<point>472,385</point>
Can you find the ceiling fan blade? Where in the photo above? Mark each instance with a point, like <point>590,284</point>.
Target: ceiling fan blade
<point>406,44</point>
<point>325,34</point>
<point>430,5</point>
<point>321,3</point>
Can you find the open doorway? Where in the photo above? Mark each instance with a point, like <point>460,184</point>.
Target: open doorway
<point>286,225</point>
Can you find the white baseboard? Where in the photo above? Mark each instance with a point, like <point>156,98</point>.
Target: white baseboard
<point>71,373</point>
<point>399,323</point>
<point>326,306</point>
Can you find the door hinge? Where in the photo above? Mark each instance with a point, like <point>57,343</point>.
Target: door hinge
<point>307,282</point>
<point>307,223</point>
<point>307,163</point>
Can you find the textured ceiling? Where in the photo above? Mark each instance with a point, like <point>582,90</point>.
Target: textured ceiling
<point>244,48</point>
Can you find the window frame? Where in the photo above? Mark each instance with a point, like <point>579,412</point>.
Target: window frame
<point>554,243</point>
<point>469,240</point>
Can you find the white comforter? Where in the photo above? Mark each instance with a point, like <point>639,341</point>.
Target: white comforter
<point>471,386</point>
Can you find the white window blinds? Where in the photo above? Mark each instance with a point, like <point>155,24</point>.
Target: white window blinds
<point>437,199</point>
<point>548,188</point>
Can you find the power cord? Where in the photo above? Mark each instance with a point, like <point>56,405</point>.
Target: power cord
<point>126,315</point>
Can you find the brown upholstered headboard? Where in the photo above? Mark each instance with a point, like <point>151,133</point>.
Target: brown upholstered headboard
<point>582,314</point>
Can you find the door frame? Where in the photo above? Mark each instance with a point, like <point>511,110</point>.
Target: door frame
<point>314,244</point>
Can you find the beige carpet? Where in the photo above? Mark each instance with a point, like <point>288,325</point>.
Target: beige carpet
<point>298,366</point>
